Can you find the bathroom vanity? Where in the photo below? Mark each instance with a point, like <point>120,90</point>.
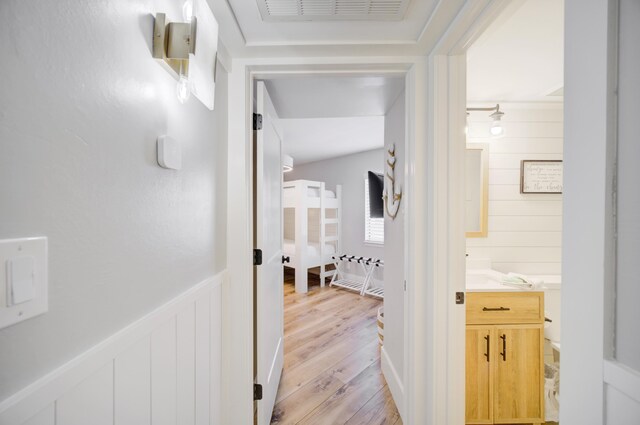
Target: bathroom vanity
<point>504,354</point>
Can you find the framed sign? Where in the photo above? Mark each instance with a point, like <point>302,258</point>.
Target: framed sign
<point>543,176</point>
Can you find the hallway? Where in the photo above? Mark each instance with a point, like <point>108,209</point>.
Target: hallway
<point>332,361</point>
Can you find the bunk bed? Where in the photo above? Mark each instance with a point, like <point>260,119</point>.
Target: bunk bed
<point>312,220</point>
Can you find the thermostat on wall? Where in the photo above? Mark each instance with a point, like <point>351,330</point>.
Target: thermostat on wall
<point>169,153</point>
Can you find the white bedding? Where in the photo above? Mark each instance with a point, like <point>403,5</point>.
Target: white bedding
<point>313,248</point>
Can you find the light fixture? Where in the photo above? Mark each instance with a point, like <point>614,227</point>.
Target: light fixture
<point>287,163</point>
<point>496,126</point>
<point>182,88</point>
<point>191,63</point>
<point>496,129</point>
<point>187,10</point>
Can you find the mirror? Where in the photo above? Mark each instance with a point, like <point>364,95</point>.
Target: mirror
<point>477,190</point>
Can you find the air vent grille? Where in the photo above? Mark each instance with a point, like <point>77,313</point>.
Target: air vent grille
<point>332,10</point>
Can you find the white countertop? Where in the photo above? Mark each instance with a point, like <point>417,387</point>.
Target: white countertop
<point>488,280</point>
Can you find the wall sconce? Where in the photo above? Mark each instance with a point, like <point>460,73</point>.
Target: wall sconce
<point>287,163</point>
<point>189,49</point>
<point>497,130</point>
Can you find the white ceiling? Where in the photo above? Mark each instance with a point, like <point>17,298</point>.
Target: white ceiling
<point>259,33</point>
<point>330,97</point>
<point>245,34</point>
<point>520,57</point>
<point>329,116</point>
<point>315,139</point>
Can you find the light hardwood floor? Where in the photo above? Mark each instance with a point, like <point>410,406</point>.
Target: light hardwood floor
<point>332,360</point>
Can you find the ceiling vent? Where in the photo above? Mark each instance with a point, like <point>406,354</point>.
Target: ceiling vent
<point>332,10</point>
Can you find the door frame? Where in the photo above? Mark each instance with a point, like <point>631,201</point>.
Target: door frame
<point>434,269</point>
<point>591,376</point>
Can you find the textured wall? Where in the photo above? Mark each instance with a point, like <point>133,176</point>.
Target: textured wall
<point>81,105</point>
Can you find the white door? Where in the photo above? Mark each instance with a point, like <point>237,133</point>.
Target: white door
<point>269,295</point>
<point>622,361</point>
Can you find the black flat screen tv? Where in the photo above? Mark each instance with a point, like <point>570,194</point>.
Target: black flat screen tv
<point>376,186</point>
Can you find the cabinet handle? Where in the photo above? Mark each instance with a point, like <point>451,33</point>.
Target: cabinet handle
<point>487,338</point>
<point>504,347</point>
<point>496,309</point>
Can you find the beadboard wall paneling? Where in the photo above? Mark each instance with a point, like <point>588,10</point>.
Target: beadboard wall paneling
<point>525,230</point>
<point>161,369</point>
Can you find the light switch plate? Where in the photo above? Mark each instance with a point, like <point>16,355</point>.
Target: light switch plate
<point>169,153</point>
<point>23,279</point>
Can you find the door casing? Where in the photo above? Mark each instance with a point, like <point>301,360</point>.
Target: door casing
<point>434,268</point>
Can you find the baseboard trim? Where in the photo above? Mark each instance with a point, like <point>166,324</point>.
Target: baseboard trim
<point>393,381</point>
<point>32,399</point>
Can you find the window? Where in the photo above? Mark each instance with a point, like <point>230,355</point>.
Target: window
<point>373,227</point>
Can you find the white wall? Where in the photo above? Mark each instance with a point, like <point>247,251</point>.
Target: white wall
<point>394,133</point>
<point>525,230</point>
<point>585,237</point>
<point>628,195</point>
<point>81,105</point>
<point>349,171</point>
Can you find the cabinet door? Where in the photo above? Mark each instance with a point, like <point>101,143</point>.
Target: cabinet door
<point>519,378</point>
<point>479,374</point>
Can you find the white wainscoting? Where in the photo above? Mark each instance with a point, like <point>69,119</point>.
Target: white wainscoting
<point>161,369</point>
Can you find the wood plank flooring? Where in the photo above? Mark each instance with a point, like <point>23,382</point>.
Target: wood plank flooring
<point>331,360</point>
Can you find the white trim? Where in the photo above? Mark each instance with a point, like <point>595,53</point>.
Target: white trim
<point>587,268</point>
<point>394,381</point>
<point>381,42</point>
<point>623,379</point>
<point>237,305</point>
<point>238,350</point>
<point>419,328</point>
<point>24,404</point>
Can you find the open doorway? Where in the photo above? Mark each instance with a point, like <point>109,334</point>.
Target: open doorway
<point>513,219</point>
<point>341,291</point>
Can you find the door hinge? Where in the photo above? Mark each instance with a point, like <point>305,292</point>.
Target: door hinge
<point>405,285</point>
<point>257,392</point>
<point>257,257</point>
<point>257,121</point>
<point>459,297</point>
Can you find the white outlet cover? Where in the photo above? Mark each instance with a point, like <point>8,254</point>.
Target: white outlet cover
<point>23,253</point>
<point>169,153</point>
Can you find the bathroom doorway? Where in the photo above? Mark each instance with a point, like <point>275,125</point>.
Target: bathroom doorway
<point>513,215</point>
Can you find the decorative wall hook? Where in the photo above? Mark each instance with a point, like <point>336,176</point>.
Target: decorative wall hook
<point>390,190</point>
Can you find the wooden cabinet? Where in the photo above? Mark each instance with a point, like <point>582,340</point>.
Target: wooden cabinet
<point>479,376</point>
<point>504,358</point>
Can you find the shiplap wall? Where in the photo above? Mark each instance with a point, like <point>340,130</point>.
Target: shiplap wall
<point>525,230</point>
<point>162,369</point>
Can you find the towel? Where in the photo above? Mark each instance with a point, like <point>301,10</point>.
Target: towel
<point>520,281</point>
